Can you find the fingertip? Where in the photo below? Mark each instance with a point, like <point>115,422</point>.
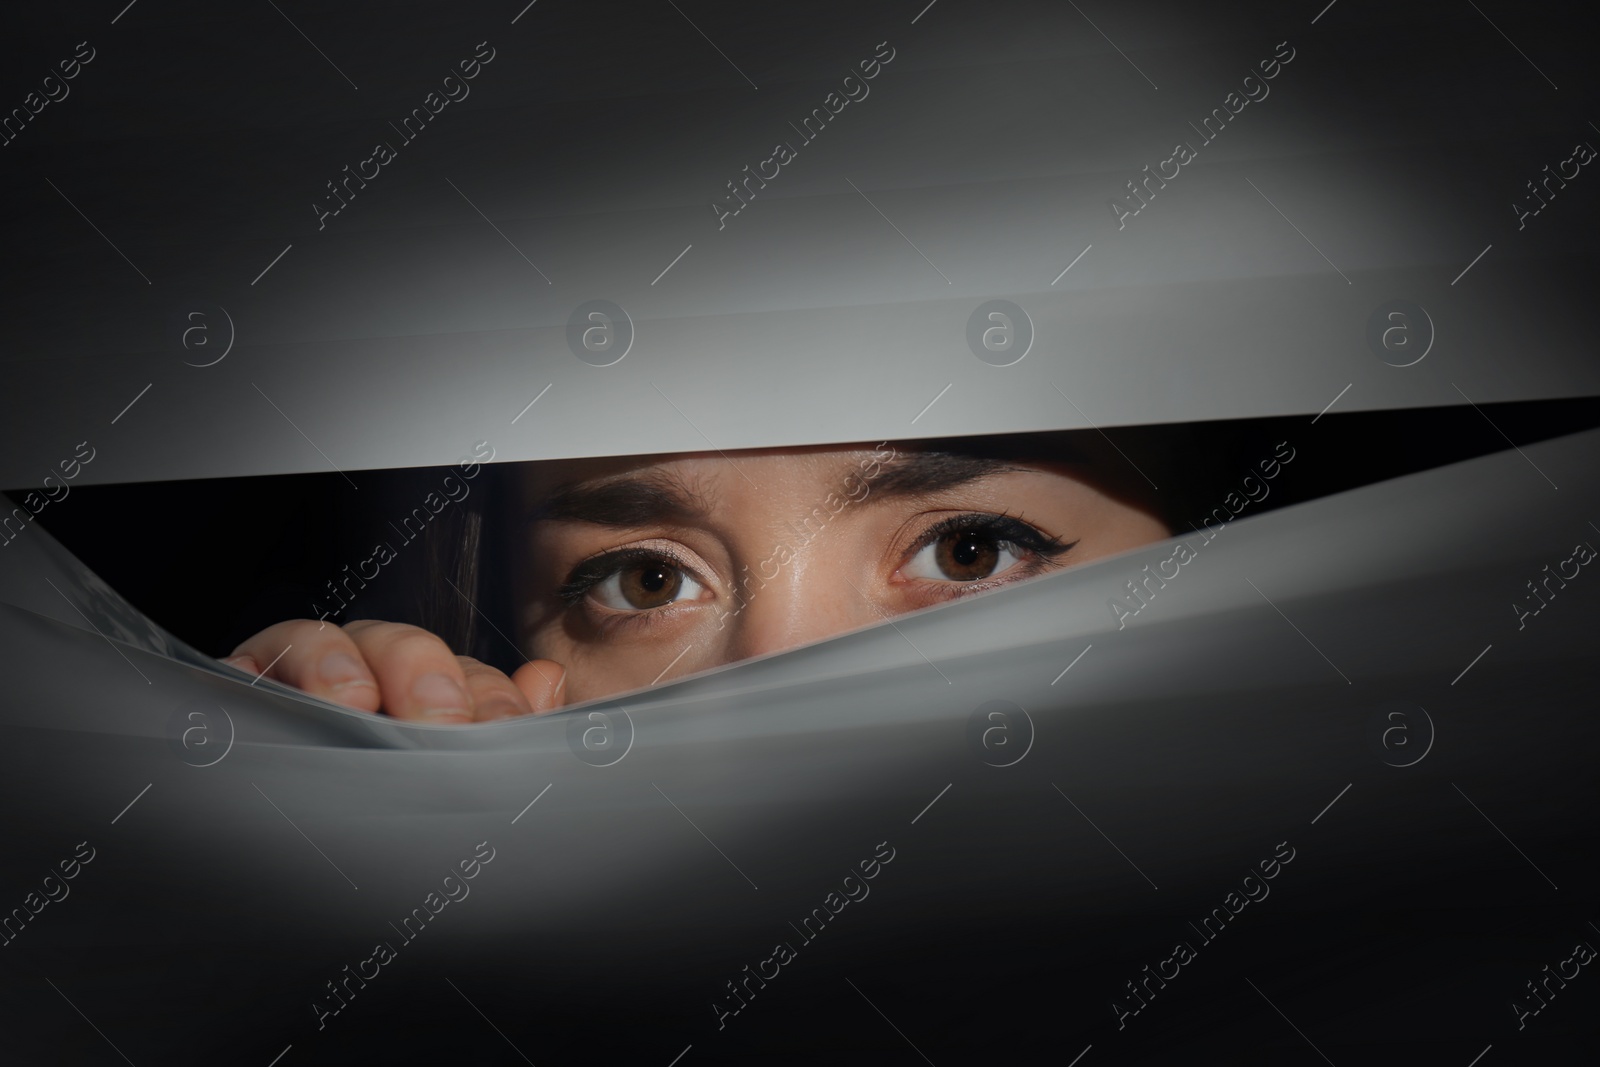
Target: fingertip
<point>543,682</point>
<point>417,675</point>
<point>494,695</point>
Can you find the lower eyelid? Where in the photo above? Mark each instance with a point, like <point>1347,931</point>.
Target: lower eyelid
<point>608,615</point>
<point>1032,564</point>
<point>953,587</point>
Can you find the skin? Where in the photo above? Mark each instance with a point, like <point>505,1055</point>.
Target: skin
<point>771,549</point>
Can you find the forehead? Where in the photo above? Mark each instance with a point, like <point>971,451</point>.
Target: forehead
<point>623,491</point>
<point>697,487</point>
<point>820,463</point>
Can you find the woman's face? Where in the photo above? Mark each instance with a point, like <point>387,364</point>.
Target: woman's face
<point>635,571</point>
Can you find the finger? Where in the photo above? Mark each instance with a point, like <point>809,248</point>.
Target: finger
<point>417,673</point>
<point>543,682</point>
<point>494,696</point>
<point>315,657</point>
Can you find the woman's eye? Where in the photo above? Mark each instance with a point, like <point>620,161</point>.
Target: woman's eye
<point>965,555</point>
<point>645,584</point>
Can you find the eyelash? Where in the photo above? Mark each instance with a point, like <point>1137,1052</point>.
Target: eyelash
<point>596,569</point>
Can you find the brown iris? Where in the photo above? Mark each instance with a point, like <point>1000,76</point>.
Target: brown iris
<point>967,555</point>
<point>650,584</point>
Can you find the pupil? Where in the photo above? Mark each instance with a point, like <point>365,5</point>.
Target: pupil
<point>966,551</point>
<point>653,580</point>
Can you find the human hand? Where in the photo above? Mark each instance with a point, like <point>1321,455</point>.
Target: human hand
<point>398,670</point>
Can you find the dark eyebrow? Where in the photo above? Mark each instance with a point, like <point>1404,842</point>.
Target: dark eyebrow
<point>923,472</point>
<point>630,500</point>
<point>652,497</point>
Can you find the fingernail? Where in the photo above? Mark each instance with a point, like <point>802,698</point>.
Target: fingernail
<point>240,662</point>
<point>439,696</point>
<point>341,669</point>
